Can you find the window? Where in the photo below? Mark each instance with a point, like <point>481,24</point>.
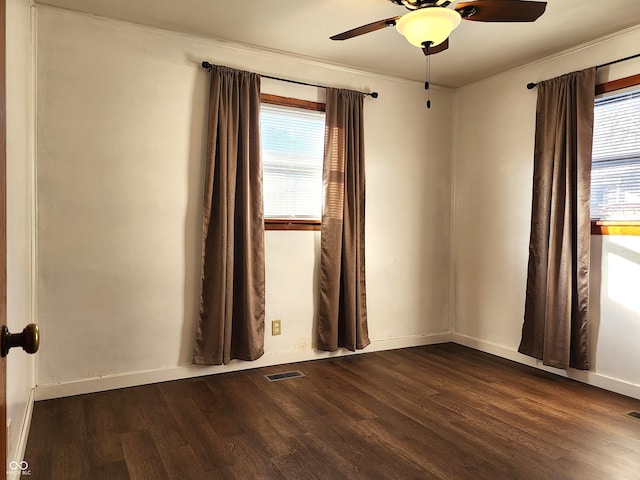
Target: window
<point>292,137</point>
<point>615,172</point>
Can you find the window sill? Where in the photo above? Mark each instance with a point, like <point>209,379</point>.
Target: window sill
<point>289,224</point>
<point>606,227</point>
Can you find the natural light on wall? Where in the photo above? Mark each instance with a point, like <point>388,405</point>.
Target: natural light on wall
<point>623,263</point>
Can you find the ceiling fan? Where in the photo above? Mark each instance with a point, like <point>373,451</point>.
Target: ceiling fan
<point>429,22</point>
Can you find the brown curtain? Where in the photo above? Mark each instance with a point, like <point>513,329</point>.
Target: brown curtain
<point>557,302</point>
<point>231,320</point>
<point>342,310</point>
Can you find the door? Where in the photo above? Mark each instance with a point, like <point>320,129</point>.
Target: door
<point>29,338</point>
<point>3,234</point>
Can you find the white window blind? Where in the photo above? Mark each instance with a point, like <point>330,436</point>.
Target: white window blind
<point>292,154</point>
<point>615,171</point>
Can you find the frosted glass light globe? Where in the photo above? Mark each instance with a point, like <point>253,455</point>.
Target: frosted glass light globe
<point>430,24</point>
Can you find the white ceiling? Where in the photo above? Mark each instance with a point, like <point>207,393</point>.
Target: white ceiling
<point>303,27</point>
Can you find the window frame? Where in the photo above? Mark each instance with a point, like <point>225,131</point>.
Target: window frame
<point>289,224</point>
<point>612,227</point>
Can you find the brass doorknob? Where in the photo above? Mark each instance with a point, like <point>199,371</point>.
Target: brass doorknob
<point>28,339</point>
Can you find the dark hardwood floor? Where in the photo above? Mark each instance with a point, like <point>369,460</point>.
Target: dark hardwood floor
<point>441,412</point>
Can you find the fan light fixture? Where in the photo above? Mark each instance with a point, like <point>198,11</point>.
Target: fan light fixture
<point>433,24</point>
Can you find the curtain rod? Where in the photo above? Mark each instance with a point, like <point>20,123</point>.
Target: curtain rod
<point>532,85</point>
<point>207,66</point>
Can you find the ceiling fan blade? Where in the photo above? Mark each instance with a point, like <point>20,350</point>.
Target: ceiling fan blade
<point>501,10</point>
<point>371,27</point>
<point>437,49</point>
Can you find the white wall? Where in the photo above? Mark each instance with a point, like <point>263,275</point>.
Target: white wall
<point>20,370</point>
<point>121,131</point>
<point>493,171</point>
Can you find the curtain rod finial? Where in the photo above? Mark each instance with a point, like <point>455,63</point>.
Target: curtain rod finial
<point>206,65</point>
<point>531,86</point>
<point>374,94</point>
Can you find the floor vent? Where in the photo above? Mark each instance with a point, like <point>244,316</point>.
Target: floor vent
<point>282,376</point>
<point>634,415</point>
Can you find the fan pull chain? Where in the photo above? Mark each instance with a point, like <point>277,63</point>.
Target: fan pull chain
<point>427,83</point>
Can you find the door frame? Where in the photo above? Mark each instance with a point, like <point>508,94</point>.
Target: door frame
<point>3,230</point>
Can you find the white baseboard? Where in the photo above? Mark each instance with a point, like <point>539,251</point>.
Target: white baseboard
<point>132,379</point>
<point>590,378</point>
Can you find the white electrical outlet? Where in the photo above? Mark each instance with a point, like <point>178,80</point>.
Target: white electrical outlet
<point>276,327</point>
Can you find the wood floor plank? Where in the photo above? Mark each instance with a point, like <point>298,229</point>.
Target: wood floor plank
<point>208,444</point>
<point>270,431</point>
<point>68,461</point>
<point>103,443</point>
<point>435,412</point>
<point>177,455</point>
<point>142,456</point>
<point>108,471</point>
